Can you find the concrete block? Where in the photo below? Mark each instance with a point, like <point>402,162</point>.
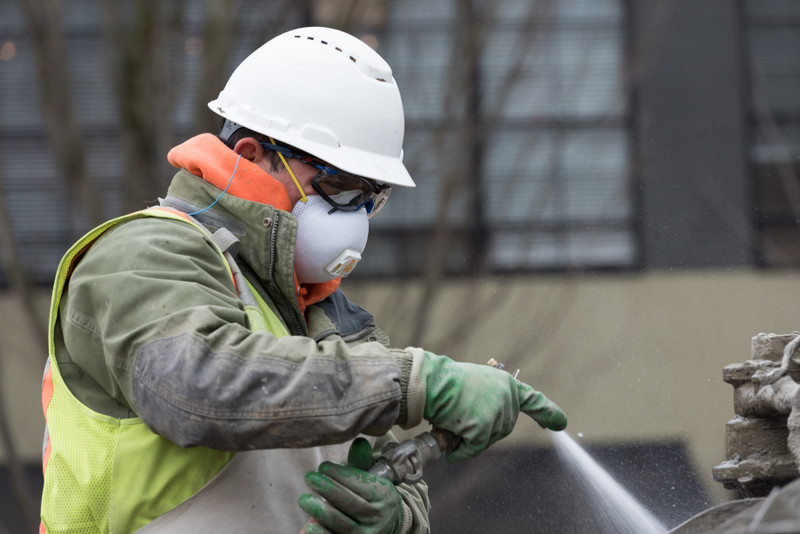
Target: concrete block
<point>769,346</point>
<point>757,437</point>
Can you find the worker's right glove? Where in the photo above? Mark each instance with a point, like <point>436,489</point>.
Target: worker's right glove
<point>353,500</point>
<point>480,403</point>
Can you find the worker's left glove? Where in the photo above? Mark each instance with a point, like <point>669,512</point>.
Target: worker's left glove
<point>355,501</point>
<point>479,403</point>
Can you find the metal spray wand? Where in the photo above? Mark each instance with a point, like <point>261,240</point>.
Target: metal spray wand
<point>403,462</point>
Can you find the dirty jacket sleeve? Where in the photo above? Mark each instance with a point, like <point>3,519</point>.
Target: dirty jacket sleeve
<point>151,314</point>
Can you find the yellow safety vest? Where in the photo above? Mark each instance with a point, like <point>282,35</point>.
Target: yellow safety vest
<point>109,475</point>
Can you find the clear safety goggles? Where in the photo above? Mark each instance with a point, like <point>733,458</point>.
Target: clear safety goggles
<point>343,191</point>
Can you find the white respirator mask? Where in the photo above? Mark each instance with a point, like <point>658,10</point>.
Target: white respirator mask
<point>329,243</point>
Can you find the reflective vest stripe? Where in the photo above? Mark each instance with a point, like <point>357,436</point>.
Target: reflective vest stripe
<point>47,396</point>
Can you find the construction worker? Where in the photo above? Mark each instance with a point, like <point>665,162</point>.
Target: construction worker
<point>206,370</point>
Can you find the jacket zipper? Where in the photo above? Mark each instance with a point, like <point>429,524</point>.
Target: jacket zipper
<point>359,334</point>
<point>349,337</point>
<point>296,325</point>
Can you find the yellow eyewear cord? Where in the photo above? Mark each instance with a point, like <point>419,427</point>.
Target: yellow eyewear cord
<point>303,196</point>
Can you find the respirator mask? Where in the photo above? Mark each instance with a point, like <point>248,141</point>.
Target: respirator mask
<point>333,225</point>
<point>329,242</point>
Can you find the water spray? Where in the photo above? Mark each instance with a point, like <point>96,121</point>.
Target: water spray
<point>614,505</point>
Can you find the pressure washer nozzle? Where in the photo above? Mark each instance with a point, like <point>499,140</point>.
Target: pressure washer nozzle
<point>497,365</point>
<point>494,363</point>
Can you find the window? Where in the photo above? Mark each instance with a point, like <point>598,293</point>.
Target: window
<point>773,62</point>
<point>517,138</point>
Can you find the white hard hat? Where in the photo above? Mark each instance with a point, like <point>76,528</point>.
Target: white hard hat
<point>326,93</point>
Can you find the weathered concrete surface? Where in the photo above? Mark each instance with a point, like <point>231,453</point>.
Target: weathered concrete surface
<point>761,446</point>
<point>778,513</point>
<point>733,514</point>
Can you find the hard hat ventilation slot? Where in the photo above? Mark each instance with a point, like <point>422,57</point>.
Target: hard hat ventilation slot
<point>311,38</point>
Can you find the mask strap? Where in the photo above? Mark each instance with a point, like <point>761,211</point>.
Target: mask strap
<point>296,181</point>
<point>223,191</point>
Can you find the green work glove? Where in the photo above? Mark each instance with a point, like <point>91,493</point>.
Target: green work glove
<point>355,501</point>
<point>480,403</point>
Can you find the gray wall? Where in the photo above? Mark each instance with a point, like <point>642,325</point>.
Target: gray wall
<point>690,128</point>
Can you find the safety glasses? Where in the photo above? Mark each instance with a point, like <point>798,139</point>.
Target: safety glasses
<point>343,191</point>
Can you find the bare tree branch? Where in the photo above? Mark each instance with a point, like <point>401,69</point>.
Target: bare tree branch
<point>19,485</point>
<point>476,123</point>
<point>22,291</point>
<point>170,82</point>
<point>44,21</point>
<point>351,16</point>
<point>219,31</point>
<point>17,278</point>
<point>136,45</point>
<point>783,158</point>
<point>460,92</point>
<point>265,24</point>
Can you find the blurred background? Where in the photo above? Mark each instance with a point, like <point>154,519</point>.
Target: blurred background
<point>607,199</point>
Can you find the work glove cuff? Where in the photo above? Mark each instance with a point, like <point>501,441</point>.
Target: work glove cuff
<point>412,386</point>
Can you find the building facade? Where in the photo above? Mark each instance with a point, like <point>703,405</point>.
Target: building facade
<point>607,197</point>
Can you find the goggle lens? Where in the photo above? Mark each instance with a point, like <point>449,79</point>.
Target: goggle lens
<point>331,182</point>
<point>363,193</point>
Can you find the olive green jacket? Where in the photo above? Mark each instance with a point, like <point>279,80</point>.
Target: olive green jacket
<point>151,326</point>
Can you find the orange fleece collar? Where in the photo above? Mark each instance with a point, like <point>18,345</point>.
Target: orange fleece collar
<point>209,158</point>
